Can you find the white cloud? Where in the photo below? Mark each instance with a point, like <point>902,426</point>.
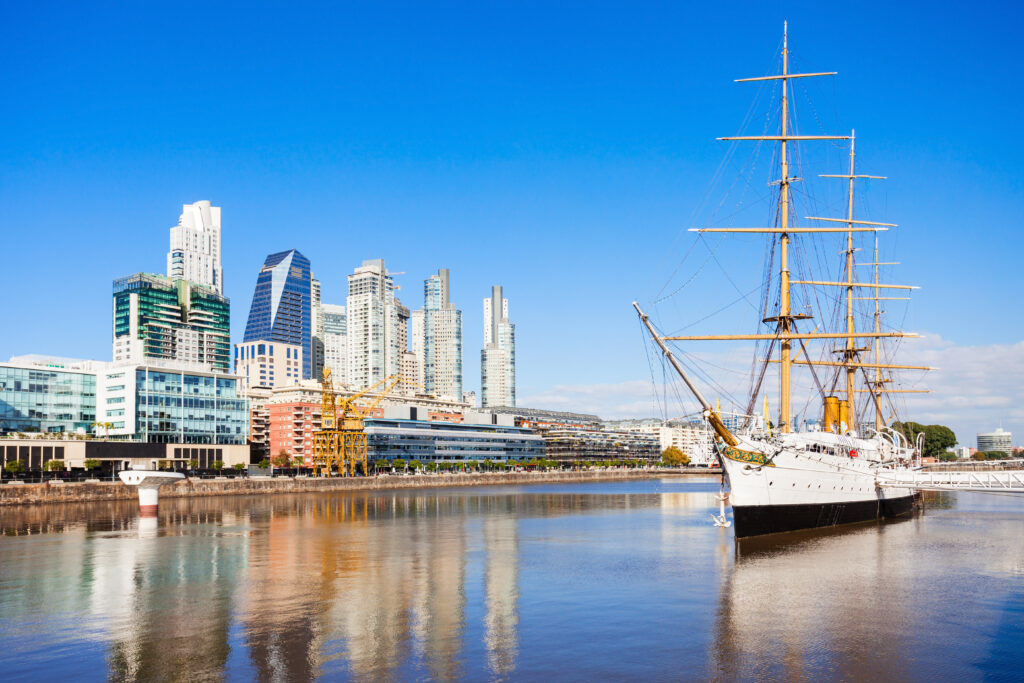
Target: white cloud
<point>976,388</point>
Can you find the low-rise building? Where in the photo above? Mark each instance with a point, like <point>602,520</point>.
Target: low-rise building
<point>47,394</point>
<point>579,445</point>
<point>410,439</point>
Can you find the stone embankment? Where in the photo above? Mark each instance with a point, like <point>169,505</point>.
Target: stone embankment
<point>85,492</point>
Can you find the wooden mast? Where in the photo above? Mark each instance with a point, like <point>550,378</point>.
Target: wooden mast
<point>785,319</point>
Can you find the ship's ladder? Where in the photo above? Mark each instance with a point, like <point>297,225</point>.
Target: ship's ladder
<point>1005,481</point>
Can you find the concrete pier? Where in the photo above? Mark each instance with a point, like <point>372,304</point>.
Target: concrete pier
<point>149,483</point>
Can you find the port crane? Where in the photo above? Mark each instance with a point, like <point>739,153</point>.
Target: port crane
<point>340,444</point>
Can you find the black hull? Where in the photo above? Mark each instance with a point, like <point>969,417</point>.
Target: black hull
<point>757,520</point>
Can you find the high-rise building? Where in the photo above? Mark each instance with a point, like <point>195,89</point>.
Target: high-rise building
<point>418,353</point>
<point>281,308</point>
<point>373,329</point>
<point>498,357</point>
<point>335,336</point>
<point>317,324</point>
<point>195,246</point>
<point>441,358</point>
<point>178,320</point>
<point>998,440</point>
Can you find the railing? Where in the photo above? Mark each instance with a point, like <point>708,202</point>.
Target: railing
<point>1009,481</point>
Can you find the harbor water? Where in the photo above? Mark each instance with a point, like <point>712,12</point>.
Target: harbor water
<point>619,580</point>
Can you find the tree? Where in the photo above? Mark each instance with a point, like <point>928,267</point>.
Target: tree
<point>217,465</point>
<point>14,467</point>
<point>54,466</point>
<point>381,464</point>
<point>399,464</point>
<point>673,457</point>
<point>431,467</point>
<point>239,466</point>
<point>937,438</point>
<point>415,465</point>
<point>282,459</point>
<point>298,462</point>
<point>91,464</point>
<point>193,463</point>
<point>948,457</point>
<point>263,464</point>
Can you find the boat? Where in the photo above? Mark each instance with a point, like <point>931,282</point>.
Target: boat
<point>780,477</point>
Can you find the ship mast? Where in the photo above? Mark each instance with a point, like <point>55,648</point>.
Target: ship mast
<point>785,331</point>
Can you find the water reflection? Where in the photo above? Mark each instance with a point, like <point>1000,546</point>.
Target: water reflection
<point>603,581</point>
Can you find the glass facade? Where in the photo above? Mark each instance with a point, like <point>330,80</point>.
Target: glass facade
<point>173,320</point>
<point>46,400</point>
<point>176,407</point>
<point>442,441</point>
<point>282,305</point>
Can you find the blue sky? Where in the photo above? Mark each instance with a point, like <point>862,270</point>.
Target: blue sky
<point>557,149</point>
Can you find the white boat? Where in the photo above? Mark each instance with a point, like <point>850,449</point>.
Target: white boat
<point>781,479</point>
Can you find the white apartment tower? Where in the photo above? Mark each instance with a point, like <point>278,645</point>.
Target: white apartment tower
<point>335,340</point>
<point>316,326</point>
<point>195,246</point>
<point>373,325</point>
<point>498,357</point>
<point>437,339</point>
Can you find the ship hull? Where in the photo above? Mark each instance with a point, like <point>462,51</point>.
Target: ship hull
<point>802,488</point>
<point>758,520</point>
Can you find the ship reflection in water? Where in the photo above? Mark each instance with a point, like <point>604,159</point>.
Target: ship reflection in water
<point>582,582</point>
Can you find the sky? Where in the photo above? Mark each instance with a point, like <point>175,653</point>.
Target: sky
<point>561,150</point>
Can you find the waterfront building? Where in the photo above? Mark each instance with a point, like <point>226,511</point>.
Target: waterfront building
<point>290,428</point>
<point>398,434</point>
<point>46,394</point>
<point>317,326</point>
<point>695,440</point>
<point>373,325</point>
<point>195,247</point>
<point>442,338</point>
<point>498,357</point>
<point>115,456</point>
<point>538,419</point>
<point>157,318</point>
<point>171,403</point>
<point>281,308</point>
<point>267,365</point>
<point>417,341</point>
<point>335,337</point>
<point>580,445</point>
<point>999,440</point>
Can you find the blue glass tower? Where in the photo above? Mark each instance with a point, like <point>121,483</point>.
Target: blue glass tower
<point>282,305</point>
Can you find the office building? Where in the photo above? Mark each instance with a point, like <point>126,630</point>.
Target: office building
<point>442,338</point>
<point>156,318</point>
<point>167,403</point>
<point>577,446</point>
<point>44,394</point>
<point>498,357</point>
<point>281,308</point>
<point>396,436</point>
<point>317,325</point>
<point>267,365</point>
<point>373,325</point>
<point>335,339</point>
<point>998,440</point>
<point>195,247</point>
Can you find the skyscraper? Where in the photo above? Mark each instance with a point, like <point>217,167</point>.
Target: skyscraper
<point>317,326</point>
<point>281,308</point>
<point>498,357</point>
<point>373,319</point>
<point>159,318</point>
<point>441,359</point>
<point>335,335</point>
<point>195,246</point>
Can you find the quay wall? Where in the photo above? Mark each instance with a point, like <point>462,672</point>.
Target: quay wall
<point>85,492</point>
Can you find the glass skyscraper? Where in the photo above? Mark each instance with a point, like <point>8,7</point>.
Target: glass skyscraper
<point>282,305</point>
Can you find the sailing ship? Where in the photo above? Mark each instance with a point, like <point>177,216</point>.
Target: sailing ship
<point>784,479</point>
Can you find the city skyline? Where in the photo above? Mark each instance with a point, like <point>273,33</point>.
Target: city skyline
<point>563,175</point>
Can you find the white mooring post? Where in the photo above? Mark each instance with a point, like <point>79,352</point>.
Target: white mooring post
<point>149,483</point>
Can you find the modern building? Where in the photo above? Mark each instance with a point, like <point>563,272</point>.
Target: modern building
<point>442,338</point>
<point>317,325</point>
<point>373,325</point>
<point>44,394</point>
<point>498,357</point>
<point>282,305</point>
<point>168,403</point>
<point>581,445</point>
<point>157,318</point>
<point>417,341</point>
<point>267,364</point>
<point>335,339</point>
<point>539,419</point>
<point>114,456</point>
<point>195,247</point>
<point>399,435</point>
<point>694,440</point>
<point>998,440</point>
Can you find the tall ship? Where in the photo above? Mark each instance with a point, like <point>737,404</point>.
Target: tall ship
<point>840,467</point>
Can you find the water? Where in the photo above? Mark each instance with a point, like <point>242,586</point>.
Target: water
<point>620,581</point>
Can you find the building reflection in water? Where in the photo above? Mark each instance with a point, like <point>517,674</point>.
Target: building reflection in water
<point>501,587</point>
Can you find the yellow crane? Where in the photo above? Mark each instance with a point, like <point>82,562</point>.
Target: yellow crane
<point>341,442</point>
